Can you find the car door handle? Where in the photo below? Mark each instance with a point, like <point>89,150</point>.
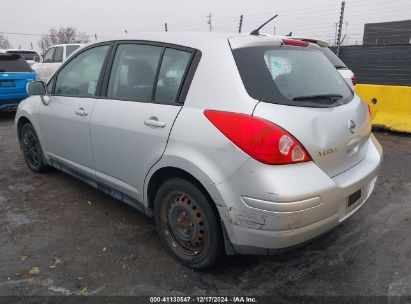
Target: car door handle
<point>154,122</point>
<point>81,112</point>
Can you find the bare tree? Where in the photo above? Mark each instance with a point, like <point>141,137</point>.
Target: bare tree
<point>4,42</point>
<point>61,35</point>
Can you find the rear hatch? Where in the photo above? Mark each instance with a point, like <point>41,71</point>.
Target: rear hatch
<point>15,73</point>
<point>302,92</point>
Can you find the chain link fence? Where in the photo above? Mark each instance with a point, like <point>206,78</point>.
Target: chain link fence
<point>379,64</point>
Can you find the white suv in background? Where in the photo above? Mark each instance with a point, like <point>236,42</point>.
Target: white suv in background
<point>31,56</point>
<point>53,59</point>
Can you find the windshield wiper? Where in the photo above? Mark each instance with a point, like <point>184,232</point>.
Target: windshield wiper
<point>329,97</point>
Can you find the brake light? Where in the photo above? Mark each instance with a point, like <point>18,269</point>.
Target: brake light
<point>261,139</point>
<point>354,79</point>
<point>294,42</point>
<point>38,77</point>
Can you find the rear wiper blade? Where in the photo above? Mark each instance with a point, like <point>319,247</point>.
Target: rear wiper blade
<point>330,97</point>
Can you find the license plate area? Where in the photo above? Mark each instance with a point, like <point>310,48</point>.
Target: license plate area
<point>353,198</point>
<point>7,83</point>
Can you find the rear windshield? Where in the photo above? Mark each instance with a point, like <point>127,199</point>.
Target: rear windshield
<point>70,49</point>
<point>26,55</point>
<point>13,63</point>
<point>291,75</point>
<point>333,58</point>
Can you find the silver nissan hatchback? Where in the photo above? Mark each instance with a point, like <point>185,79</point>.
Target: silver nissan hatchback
<point>235,144</point>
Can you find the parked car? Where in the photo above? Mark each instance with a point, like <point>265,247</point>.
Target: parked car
<point>53,58</point>
<point>237,143</point>
<point>31,56</point>
<point>15,73</point>
<point>345,72</point>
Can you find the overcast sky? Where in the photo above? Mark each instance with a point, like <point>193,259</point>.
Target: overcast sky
<point>109,18</point>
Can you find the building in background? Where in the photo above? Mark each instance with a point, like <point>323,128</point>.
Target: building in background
<point>395,32</point>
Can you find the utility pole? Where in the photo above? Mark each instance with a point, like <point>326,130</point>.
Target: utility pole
<point>336,32</point>
<point>241,24</point>
<point>31,44</point>
<point>209,16</point>
<point>274,30</point>
<point>165,27</point>
<point>340,25</point>
<point>95,36</point>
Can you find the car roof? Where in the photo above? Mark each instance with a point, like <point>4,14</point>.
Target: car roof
<point>65,44</point>
<point>21,50</point>
<point>198,40</point>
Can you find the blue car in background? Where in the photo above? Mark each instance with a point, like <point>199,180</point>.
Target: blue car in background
<point>15,73</point>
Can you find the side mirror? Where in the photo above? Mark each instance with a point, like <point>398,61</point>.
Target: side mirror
<point>38,88</point>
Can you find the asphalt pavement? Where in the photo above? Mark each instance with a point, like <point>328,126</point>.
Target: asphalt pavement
<point>59,236</point>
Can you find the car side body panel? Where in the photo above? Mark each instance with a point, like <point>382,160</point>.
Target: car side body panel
<point>125,147</point>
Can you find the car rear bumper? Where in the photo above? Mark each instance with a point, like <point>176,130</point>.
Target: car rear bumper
<point>10,103</point>
<point>275,207</point>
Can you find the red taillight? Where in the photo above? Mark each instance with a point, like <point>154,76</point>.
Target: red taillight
<point>38,77</point>
<point>294,42</point>
<point>259,138</point>
<point>354,80</point>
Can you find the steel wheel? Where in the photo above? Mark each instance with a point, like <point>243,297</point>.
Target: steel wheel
<point>187,224</point>
<point>184,223</point>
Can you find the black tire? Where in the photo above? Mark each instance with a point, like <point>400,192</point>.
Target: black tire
<point>187,225</point>
<point>32,151</point>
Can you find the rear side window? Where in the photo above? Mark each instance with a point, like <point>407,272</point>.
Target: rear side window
<point>134,71</point>
<point>49,55</point>
<point>173,68</point>
<point>12,63</point>
<point>58,54</point>
<point>70,49</point>
<point>79,77</point>
<point>289,75</point>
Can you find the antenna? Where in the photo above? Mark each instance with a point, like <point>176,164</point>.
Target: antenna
<point>256,31</point>
<point>241,24</point>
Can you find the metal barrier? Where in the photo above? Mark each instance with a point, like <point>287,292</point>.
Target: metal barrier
<point>379,64</point>
<point>390,105</point>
